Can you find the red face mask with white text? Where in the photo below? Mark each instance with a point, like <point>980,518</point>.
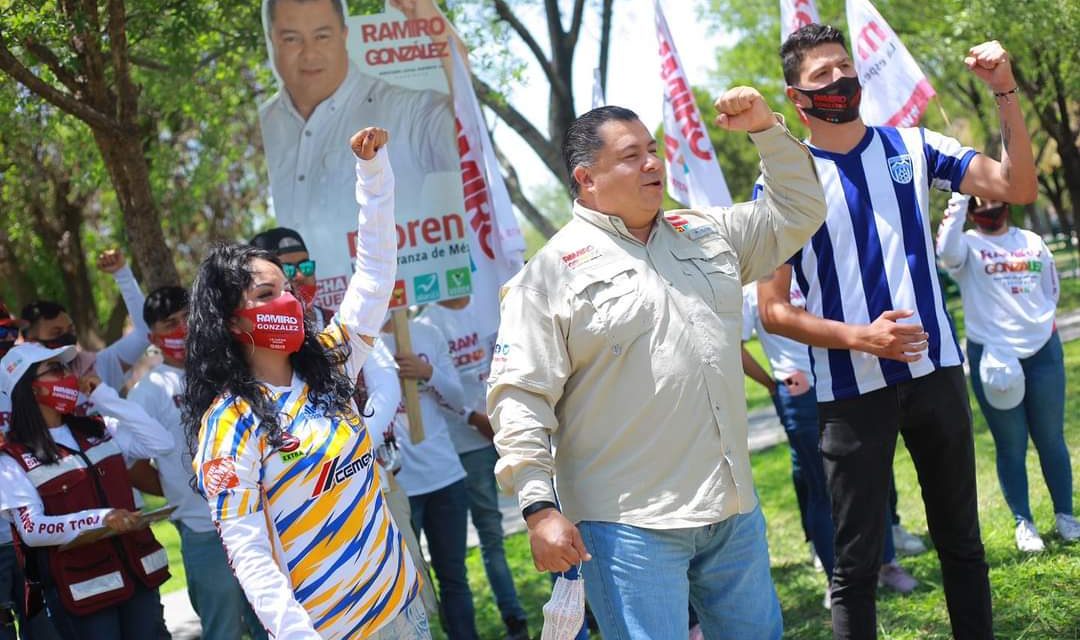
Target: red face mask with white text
<point>277,325</point>
<point>61,394</point>
<point>173,345</point>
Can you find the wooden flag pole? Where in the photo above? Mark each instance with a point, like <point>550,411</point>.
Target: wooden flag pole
<point>409,387</point>
<point>941,110</point>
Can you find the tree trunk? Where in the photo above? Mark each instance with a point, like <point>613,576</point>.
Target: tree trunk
<point>59,225</point>
<point>12,273</point>
<point>130,174</point>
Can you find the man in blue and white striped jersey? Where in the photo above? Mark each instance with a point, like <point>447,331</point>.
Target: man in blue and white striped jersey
<point>885,355</point>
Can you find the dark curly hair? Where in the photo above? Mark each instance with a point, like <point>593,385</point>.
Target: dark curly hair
<point>28,426</point>
<point>215,363</point>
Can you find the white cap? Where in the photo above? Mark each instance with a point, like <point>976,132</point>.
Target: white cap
<point>1002,379</point>
<point>23,356</point>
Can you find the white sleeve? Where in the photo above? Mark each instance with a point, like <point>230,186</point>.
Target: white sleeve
<point>39,530</point>
<point>16,490</point>
<point>951,246</point>
<point>383,389</point>
<point>1049,282</point>
<point>749,310</point>
<point>137,434</point>
<point>368,296</point>
<point>247,544</point>
<point>129,348</point>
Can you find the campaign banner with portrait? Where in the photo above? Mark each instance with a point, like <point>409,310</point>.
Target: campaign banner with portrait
<point>336,75</point>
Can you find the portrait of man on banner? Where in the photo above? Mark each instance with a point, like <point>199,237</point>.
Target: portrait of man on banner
<point>337,74</point>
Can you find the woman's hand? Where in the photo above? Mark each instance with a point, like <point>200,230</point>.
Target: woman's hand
<point>88,383</point>
<point>366,142</point>
<point>121,520</point>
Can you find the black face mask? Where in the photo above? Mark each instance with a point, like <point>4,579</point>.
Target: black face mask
<point>990,219</point>
<point>836,102</point>
<point>65,340</point>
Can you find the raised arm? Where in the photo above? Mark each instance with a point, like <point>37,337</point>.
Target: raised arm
<point>791,207</point>
<point>368,295</point>
<point>951,248</point>
<point>1012,178</point>
<point>884,338</point>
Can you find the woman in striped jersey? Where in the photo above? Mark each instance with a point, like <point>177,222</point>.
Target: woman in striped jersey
<point>281,456</point>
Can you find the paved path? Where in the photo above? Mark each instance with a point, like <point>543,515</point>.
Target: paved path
<point>765,432</point>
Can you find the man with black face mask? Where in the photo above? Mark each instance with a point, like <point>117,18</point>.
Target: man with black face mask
<point>886,360</point>
<point>48,322</point>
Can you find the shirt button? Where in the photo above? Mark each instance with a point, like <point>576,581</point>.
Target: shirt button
<point>300,178</point>
<point>308,133</point>
<point>617,349</point>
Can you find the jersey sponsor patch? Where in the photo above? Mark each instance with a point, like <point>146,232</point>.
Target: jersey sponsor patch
<point>331,474</point>
<point>219,475</point>
<point>581,256</point>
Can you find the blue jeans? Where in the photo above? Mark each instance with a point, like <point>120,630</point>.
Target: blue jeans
<point>1042,415</point>
<point>486,517</point>
<point>442,516</point>
<point>213,589</point>
<point>640,581</point>
<point>138,618</point>
<point>799,416</point>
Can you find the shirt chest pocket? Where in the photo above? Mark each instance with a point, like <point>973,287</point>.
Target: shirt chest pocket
<point>712,262</point>
<point>621,312</point>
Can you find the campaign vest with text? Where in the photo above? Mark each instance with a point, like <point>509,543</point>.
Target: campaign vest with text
<point>96,576</point>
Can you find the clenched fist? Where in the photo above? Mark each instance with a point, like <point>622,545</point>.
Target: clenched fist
<point>367,141</point>
<point>110,261</point>
<point>743,109</point>
<point>990,62</point>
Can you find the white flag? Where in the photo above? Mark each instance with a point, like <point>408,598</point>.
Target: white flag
<point>496,244</point>
<point>795,14</point>
<point>894,90</point>
<point>693,176</point>
<point>598,99</point>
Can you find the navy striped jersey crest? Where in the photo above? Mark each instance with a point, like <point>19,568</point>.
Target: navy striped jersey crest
<point>875,252</point>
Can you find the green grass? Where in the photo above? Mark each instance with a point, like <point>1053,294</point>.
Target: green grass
<point>1034,597</point>
<point>166,533</point>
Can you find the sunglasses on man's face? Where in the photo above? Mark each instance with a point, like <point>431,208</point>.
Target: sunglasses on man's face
<point>9,332</point>
<point>305,267</point>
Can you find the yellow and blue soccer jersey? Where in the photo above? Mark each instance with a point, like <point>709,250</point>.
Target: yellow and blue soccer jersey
<point>319,491</point>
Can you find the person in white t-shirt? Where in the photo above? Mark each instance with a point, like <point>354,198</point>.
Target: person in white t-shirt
<point>1010,291</point>
<point>431,472</point>
<point>212,588</point>
<point>470,429</point>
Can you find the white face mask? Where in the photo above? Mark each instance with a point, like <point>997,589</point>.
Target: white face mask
<point>564,613</point>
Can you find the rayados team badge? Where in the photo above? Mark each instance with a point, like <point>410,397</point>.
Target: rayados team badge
<point>900,169</point>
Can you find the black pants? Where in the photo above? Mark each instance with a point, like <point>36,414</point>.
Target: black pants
<point>858,438</point>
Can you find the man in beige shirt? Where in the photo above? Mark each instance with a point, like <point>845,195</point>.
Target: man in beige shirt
<point>617,372</point>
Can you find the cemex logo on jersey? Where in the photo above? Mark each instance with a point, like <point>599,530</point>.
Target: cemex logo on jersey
<point>332,474</point>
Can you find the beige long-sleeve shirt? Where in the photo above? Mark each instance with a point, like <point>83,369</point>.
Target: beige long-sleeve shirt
<point>624,356</point>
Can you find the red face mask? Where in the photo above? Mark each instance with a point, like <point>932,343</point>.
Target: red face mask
<point>61,394</point>
<point>173,345</point>
<point>307,294</point>
<point>277,325</point>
